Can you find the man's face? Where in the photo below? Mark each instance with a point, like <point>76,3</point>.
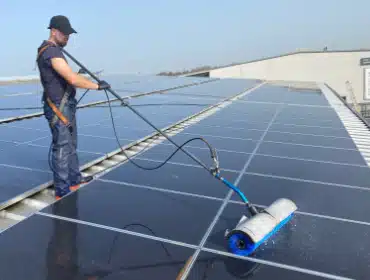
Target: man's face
<point>60,38</point>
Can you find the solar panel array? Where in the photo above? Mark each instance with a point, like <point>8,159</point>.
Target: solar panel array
<point>25,144</point>
<point>136,224</point>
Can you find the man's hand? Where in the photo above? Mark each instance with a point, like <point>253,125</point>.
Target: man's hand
<point>103,85</point>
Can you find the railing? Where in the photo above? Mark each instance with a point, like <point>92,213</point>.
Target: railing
<point>353,96</point>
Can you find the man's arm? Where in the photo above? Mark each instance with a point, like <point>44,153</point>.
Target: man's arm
<point>74,79</point>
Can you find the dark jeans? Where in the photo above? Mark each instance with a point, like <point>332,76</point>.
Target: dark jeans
<point>64,159</point>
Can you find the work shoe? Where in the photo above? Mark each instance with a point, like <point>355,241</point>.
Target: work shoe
<point>84,180</point>
<point>59,193</point>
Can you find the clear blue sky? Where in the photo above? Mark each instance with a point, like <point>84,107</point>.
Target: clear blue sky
<point>150,36</point>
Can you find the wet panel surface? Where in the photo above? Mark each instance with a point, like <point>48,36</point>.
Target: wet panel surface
<point>48,248</point>
<point>308,242</point>
<point>309,197</point>
<point>168,215</point>
<point>218,267</point>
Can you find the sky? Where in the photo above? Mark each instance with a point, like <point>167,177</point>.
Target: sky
<point>151,36</point>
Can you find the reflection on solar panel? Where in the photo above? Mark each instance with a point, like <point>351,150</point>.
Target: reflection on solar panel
<point>170,222</point>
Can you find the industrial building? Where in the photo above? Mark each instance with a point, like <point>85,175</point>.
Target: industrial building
<point>346,71</point>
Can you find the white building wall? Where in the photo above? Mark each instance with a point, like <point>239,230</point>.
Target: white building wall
<point>333,68</point>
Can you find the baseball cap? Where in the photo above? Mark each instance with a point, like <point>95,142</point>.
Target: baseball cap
<point>62,24</point>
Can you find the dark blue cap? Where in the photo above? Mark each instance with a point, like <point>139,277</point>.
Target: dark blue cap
<point>62,24</point>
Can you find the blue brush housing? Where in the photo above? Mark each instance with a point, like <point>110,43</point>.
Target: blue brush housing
<point>237,237</point>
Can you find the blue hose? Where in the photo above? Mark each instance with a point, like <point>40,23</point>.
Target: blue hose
<point>234,188</point>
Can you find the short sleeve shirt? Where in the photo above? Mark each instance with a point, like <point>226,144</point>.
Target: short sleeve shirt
<point>54,84</point>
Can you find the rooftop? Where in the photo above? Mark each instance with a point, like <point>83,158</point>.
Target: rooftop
<point>273,140</point>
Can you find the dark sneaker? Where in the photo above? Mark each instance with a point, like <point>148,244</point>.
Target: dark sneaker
<point>59,193</point>
<point>84,180</point>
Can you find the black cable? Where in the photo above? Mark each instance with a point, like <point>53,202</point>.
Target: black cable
<point>103,273</point>
<point>83,95</point>
<point>140,225</point>
<point>212,151</point>
<point>165,161</point>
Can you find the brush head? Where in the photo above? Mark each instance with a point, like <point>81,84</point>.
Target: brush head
<point>252,232</point>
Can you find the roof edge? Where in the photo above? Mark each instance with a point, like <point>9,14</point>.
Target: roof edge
<point>345,103</point>
<point>280,55</point>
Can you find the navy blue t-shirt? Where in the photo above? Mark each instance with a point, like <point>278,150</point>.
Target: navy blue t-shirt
<point>54,84</point>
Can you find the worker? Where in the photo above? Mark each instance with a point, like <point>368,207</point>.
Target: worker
<point>59,82</point>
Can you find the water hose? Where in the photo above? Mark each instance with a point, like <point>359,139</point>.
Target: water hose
<point>249,233</point>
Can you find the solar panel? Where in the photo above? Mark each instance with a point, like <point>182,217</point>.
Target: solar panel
<point>312,153</point>
<point>115,255</point>
<point>311,140</point>
<point>220,88</point>
<point>17,96</point>
<point>19,89</point>
<point>311,243</point>
<point>35,156</point>
<point>16,180</point>
<point>210,265</point>
<point>282,95</point>
<point>152,83</point>
<point>25,144</point>
<point>275,142</point>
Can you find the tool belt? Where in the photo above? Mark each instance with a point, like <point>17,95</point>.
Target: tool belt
<point>57,111</point>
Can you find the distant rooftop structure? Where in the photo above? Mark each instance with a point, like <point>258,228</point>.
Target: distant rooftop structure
<point>298,51</point>
<point>346,71</point>
<point>16,79</point>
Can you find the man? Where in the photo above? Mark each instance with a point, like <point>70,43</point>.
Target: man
<point>60,83</point>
